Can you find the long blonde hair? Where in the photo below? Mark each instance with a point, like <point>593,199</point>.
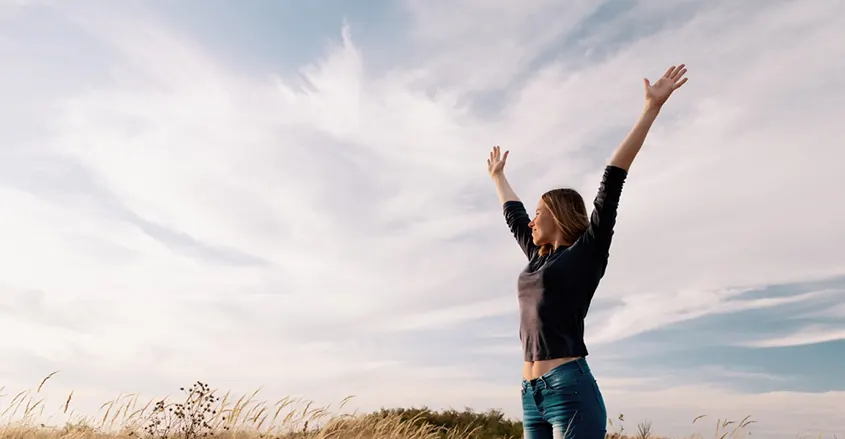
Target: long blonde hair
<point>569,212</point>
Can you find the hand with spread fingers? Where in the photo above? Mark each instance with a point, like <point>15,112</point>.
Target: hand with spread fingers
<point>496,161</point>
<point>656,94</point>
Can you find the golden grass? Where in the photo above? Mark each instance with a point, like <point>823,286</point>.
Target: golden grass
<point>200,413</point>
<point>204,415</point>
<point>341,428</point>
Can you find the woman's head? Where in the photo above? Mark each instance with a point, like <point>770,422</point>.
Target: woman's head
<point>560,219</point>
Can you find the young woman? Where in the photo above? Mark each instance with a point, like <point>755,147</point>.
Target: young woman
<point>567,255</point>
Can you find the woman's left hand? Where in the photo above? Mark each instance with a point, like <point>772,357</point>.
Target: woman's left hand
<point>656,94</point>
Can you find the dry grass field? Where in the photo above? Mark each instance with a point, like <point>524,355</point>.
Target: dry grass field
<point>201,412</point>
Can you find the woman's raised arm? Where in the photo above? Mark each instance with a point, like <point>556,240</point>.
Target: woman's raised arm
<point>515,214</point>
<point>496,167</point>
<point>605,205</point>
<point>655,96</point>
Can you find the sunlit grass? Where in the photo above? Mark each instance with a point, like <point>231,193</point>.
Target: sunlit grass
<point>202,412</point>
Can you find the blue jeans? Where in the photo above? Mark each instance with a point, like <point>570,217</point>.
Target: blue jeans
<point>564,403</point>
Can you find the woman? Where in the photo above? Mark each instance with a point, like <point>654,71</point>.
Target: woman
<point>568,253</point>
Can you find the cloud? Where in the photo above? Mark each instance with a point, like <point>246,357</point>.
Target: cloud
<point>182,217</point>
<point>810,335</point>
<point>638,314</point>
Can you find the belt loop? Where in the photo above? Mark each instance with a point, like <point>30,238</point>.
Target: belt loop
<point>543,379</point>
<point>580,364</point>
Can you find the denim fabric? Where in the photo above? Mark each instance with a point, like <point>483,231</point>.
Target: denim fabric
<point>565,403</point>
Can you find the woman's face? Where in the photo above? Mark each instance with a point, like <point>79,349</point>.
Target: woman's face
<point>543,226</point>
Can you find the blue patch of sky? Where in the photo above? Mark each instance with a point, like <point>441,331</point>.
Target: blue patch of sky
<point>611,27</point>
<point>694,349</point>
<point>805,368</point>
<point>281,36</point>
<point>787,290</point>
<point>618,25</point>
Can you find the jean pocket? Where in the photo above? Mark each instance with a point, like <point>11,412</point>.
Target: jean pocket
<point>563,384</point>
<point>562,387</point>
<point>568,390</point>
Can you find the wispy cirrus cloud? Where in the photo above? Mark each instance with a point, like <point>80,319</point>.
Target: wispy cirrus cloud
<point>809,335</point>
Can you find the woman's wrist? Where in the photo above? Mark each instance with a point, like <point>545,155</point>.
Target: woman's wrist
<point>651,110</point>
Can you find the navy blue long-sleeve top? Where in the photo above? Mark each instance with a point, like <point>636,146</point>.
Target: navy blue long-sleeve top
<point>555,290</point>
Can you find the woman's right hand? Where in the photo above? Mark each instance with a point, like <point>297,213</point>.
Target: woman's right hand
<point>496,162</point>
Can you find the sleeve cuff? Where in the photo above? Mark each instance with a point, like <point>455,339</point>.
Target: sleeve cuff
<point>615,172</point>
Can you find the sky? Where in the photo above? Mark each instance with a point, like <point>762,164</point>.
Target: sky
<point>293,195</point>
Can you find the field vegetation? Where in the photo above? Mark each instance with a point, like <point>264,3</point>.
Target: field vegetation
<point>199,411</point>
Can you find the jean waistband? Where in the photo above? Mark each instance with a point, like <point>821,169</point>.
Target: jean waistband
<point>577,367</point>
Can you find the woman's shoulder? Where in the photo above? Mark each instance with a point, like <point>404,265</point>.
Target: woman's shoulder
<point>577,254</point>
